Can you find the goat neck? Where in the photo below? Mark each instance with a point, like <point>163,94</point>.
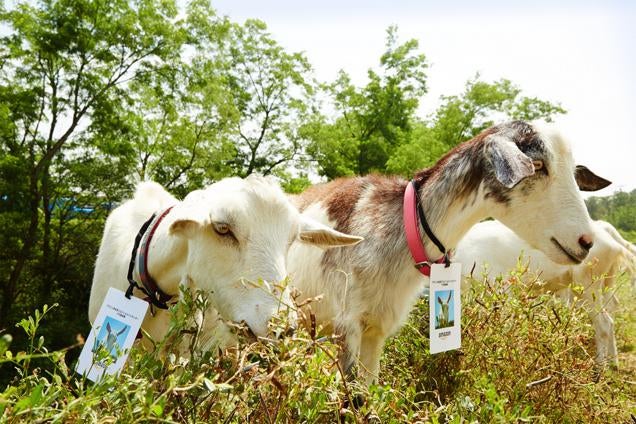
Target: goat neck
<point>452,197</point>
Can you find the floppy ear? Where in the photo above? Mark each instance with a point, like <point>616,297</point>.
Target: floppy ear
<point>589,181</point>
<point>509,163</point>
<point>314,233</point>
<point>187,221</point>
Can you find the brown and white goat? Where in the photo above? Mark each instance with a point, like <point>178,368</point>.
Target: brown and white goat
<point>514,172</point>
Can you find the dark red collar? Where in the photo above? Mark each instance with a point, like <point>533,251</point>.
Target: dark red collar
<point>412,231</point>
<point>154,295</point>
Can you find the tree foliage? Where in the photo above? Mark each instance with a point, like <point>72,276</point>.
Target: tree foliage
<point>66,65</point>
<point>376,127</point>
<point>619,209</point>
<point>372,120</point>
<point>271,95</point>
<point>461,117</point>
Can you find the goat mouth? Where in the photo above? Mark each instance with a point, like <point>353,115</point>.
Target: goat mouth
<point>576,259</point>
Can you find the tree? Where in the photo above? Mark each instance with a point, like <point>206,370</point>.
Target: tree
<point>271,93</point>
<point>65,65</point>
<point>179,118</point>
<point>177,126</point>
<point>373,120</point>
<point>463,116</point>
<point>618,209</point>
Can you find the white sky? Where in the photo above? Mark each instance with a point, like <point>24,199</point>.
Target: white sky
<point>580,53</point>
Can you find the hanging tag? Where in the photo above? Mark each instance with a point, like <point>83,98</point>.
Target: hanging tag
<point>445,307</point>
<point>113,334</point>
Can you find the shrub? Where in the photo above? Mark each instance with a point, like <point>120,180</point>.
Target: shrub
<point>524,357</point>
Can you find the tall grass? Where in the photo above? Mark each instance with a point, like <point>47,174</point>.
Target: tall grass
<point>524,358</point>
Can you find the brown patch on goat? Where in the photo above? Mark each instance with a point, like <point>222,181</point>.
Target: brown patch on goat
<point>339,197</point>
<point>314,194</point>
<point>385,189</point>
<point>342,202</point>
<point>384,203</point>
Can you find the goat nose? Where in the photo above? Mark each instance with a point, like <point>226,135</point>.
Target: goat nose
<point>585,241</point>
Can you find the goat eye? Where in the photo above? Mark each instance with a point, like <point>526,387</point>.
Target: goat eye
<point>222,228</point>
<point>538,164</point>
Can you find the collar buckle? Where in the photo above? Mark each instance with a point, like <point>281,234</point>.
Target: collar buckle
<point>420,265</point>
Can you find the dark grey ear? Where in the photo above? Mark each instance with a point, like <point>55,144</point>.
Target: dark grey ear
<point>589,181</point>
<point>509,163</point>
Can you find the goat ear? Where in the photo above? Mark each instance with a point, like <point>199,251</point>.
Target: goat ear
<point>439,300</point>
<point>187,222</point>
<point>108,327</point>
<point>184,227</point>
<point>589,181</point>
<point>314,233</point>
<point>509,163</point>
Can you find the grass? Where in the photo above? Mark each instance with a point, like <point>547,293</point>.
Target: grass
<point>524,358</point>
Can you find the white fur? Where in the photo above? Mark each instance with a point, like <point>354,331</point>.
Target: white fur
<point>492,248</point>
<point>554,210</point>
<point>244,275</point>
<point>630,258</point>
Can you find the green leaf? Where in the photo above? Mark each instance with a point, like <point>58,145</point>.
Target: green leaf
<point>32,401</point>
<point>216,387</point>
<point>157,410</point>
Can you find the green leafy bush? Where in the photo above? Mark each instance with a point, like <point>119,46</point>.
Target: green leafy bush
<point>524,358</point>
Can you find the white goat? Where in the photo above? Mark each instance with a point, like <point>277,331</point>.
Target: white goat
<point>513,172</point>
<point>492,247</point>
<point>109,342</point>
<point>223,239</point>
<point>443,318</point>
<point>630,262</point>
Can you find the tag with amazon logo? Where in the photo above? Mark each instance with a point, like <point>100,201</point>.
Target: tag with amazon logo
<point>445,307</point>
<point>113,334</point>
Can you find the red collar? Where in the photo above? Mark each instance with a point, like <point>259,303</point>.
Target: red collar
<point>154,294</point>
<point>412,231</point>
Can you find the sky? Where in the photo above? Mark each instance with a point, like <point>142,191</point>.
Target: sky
<point>581,54</point>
